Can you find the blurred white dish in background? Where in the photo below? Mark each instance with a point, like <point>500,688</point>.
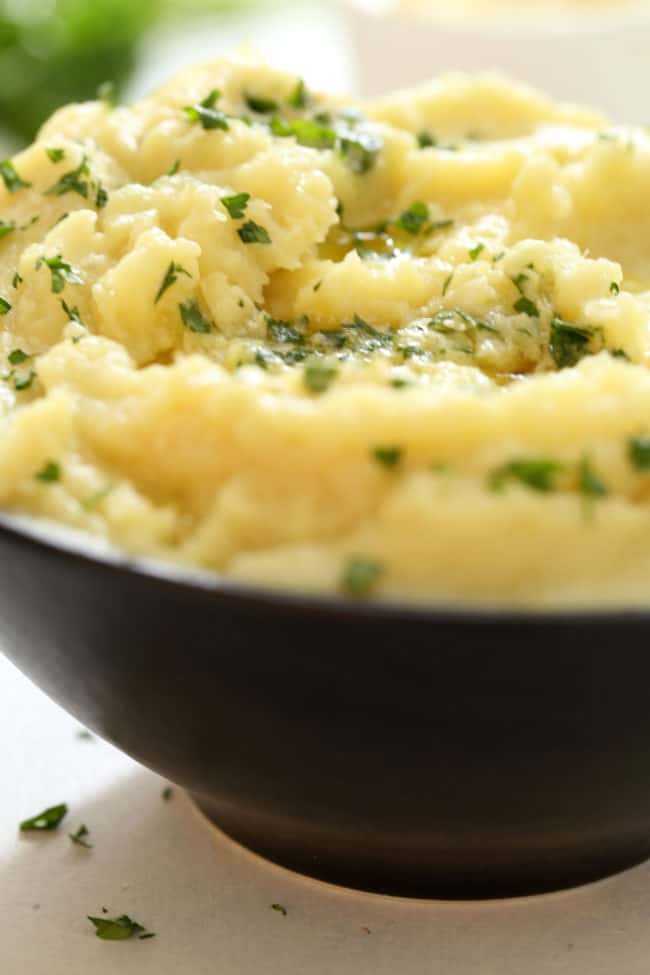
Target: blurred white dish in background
<point>596,52</point>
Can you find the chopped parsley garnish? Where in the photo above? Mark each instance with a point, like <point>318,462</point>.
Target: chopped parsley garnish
<point>22,383</point>
<point>17,357</point>
<point>5,306</point>
<point>206,113</point>
<point>388,456</point>
<point>441,224</point>
<point>174,168</point>
<point>525,306</point>
<point>170,278</point>
<point>252,233</point>
<point>48,820</point>
<point>447,321</point>
<point>281,331</point>
<point>569,343</point>
<point>614,288</point>
<point>638,451</point>
<point>319,375</point>
<point>415,218</point>
<point>537,473</point>
<point>55,155</point>
<point>236,204</point>
<point>360,149</point>
<point>96,499</point>
<point>318,285</point>
<point>306,132</point>
<point>193,318</point>
<point>49,473</point>
<point>360,576</point>
<point>10,177</point>
<point>476,252</point>
<point>299,97</point>
<point>72,313</point>
<point>101,197</point>
<point>263,106</point>
<point>445,287</point>
<point>119,928</point>
<point>74,181</point>
<point>79,837</point>
<point>280,908</point>
<point>6,228</point>
<point>425,140</point>
<point>62,272</point>
<point>590,484</point>
<point>16,280</point>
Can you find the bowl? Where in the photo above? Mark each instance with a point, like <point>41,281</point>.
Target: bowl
<point>573,51</point>
<point>430,753</point>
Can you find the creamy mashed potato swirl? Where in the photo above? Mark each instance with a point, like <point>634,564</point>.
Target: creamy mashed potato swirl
<point>396,349</point>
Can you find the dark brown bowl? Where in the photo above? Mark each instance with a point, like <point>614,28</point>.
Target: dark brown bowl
<point>418,752</point>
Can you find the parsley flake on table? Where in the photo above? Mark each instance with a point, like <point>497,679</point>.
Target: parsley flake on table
<point>537,473</point>
<point>170,278</point>
<point>62,272</point>
<point>360,576</point>
<point>10,177</point>
<point>79,837</point>
<point>167,793</point>
<point>46,821</point>
<point>414,219</point>
<point>280,908</point>
<point>206,113</point>
<point>120,928</point>
<point>50,473</point>
<point>252,233</point>
<point>193,317</point>
<point>389,457</point>
<point>236,204</point>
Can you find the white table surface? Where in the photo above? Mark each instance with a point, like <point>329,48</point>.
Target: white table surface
<point>208,900</point>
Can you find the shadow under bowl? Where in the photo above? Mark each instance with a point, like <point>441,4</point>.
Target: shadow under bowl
<point>406,751</point>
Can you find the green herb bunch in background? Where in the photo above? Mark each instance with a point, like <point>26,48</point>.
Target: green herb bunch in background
<point>58,51</point>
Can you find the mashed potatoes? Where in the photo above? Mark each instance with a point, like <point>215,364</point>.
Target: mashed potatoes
<point>396,349</point>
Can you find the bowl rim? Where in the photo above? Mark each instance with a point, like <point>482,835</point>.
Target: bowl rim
<point>80,546</point>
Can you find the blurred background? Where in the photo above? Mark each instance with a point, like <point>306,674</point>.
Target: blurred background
<point>57,51</point>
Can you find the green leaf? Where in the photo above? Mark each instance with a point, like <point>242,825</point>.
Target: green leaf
<point>589,482</point>
<point>299,97</point>
<point>206,113</point>
<point>46,821</point>
<point>79,837</point>
<point>49,473</point>
<point>116,929</point>
<point>55,155</point>
<point>73,182</point>
<point>414,219</point>
<point>388,456</point>
<point>17,357</point>
<point>569,343</point>
<point>537,473</point>
<point>72,313</point>
<point>319,375</point>
<point>10,177</point>
<point>306,132</point>
<point>360,576</point>
<point>252,233</point>
<point>261,105</point>
<point>62,272</point>
<point>638,451</point>
<point>170,278</point>
<point>193,318</point>
<point>526,307</point>
<point>236,204</point>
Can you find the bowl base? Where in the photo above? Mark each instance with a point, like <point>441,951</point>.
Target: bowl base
<point>410,878</point>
